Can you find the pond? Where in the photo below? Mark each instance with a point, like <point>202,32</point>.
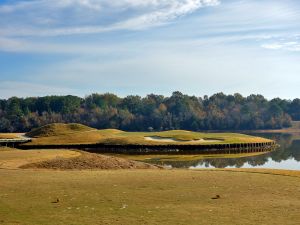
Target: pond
<point>287,156</point>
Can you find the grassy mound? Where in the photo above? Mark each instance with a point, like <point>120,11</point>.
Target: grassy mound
<point>12,158</point>
<point>57,129</point>
<point>89,161</point>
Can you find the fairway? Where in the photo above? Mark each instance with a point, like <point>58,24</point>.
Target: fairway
<point>130,197</point>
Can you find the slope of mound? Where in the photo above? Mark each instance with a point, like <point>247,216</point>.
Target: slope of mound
<point>89,161</point>
<point>13,158</point>
<point>56,129</point>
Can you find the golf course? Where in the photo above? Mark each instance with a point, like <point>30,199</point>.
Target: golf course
<point>61,134</point>
<point>36,196</point>
<point>71,186</point>
<point>149,112</point>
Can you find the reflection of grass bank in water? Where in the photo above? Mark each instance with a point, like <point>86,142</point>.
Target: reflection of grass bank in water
<point>215,160</point>
<point>3,148</point>
<point>162,158</point>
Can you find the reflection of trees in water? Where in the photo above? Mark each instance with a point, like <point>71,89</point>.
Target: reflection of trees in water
<point>295,150</point>
<point>289,148</point>
<point>221,162</point>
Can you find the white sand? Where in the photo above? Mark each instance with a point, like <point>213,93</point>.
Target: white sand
<point>162,139</point>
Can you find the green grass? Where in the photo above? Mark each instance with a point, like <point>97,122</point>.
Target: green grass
<point>61,134</point>
<point>148,197</point>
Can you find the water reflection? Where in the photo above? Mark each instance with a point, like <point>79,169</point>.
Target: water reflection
<point>287,156</point>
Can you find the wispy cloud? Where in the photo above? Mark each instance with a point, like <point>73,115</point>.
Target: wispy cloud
<point>65,17</point>
<point>244,45</point>
<point>288,46</point>
<point>287,43</point>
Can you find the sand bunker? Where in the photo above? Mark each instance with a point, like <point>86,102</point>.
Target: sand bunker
<point>167,139</point>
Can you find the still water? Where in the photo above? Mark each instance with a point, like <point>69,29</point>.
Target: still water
<point>287,156</point>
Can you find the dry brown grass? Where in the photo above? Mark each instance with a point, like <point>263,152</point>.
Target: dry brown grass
<point>130,197</point>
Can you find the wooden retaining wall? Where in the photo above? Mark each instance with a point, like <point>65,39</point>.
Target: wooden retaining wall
<point>234,148</point>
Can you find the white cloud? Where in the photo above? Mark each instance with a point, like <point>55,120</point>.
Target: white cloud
<point>50,4</point>
<point>91,16</point>
<point>220,49</point>
<point>273,46</point>
<point>293,46</point>
<point>174,10</point>
<point>194,70</point>
<point>129,46</point>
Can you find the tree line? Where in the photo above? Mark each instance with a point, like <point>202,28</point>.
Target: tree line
<point>150,113</point>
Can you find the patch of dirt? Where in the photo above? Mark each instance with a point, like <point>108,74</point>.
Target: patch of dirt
<point>90,161</point>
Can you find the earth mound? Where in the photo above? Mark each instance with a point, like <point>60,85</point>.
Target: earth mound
<point>56,129</point>
<point>89,161</point>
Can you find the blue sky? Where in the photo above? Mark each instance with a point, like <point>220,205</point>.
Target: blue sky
<point>149,46</point>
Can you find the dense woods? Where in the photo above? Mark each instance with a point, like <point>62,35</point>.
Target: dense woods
<point>153,112</point>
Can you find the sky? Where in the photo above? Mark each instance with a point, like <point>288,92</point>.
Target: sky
<point>138,47</point>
